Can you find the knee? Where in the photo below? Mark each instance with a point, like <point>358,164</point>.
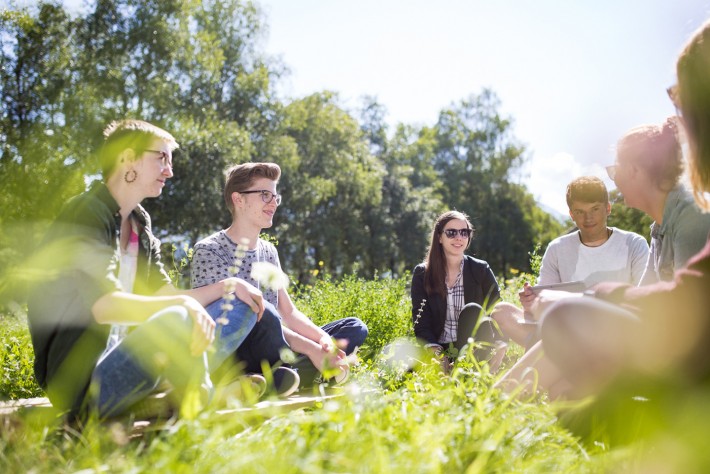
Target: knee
<point>360,328</point>
<point>556,323</point>
<point>172,316</point>
<point>506,315</point>
<point>471,310</point>
<point>356,334</point>
<point>503,311</point>
<point>270,319</point>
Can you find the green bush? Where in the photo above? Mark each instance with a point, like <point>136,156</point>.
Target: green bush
<point>16,360</point>
<point>383,304</point>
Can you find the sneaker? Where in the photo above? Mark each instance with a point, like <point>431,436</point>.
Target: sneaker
<point>342,377</point>
<point>286,381</point>
<point>335,380</point>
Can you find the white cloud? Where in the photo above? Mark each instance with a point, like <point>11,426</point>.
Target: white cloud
<point>548,178</point>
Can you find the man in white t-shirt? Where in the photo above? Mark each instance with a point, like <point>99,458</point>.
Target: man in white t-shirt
<point>591,254</point>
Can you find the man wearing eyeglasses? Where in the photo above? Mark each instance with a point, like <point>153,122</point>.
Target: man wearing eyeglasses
<point>591,254</point>
<point>251,197</point>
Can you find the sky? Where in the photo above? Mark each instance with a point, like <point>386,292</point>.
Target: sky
<point>573,76</point>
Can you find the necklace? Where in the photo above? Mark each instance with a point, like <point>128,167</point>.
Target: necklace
<point>596,243</point>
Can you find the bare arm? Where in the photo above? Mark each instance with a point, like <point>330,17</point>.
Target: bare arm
<point>299,322</point>
<point>210,293</point>
<point>119,307</point>
<point>306,338</point>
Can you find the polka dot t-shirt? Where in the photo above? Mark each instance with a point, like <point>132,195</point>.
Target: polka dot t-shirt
<point>214,255</point>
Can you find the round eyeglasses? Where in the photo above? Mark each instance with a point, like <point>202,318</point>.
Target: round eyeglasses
<point>266,195</point>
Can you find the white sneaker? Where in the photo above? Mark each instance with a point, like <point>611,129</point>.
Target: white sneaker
<point>286,381</point>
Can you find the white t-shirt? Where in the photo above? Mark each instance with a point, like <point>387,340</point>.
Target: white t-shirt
<point>622,258</point>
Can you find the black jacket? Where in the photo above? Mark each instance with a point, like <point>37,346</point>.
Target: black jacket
<point>479,286</point>
<point>81,250</point>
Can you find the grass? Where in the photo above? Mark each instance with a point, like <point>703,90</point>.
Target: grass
<point>395,416</point>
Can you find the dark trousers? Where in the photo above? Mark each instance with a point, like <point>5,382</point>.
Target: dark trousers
<point>485,333</point>
<point>351,329</point>
<point>266,341</point>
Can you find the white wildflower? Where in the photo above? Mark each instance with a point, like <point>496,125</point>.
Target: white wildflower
<point>269,275</point>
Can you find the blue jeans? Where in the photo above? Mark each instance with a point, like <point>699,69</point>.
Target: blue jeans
<point>352,329</point>
<point>160,349</point>
<point>265,342</point>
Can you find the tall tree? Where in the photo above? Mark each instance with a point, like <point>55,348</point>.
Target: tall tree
<point>400,227</point>
<point>628,218</point>
<point>475,158</point>
<point>327,183</point>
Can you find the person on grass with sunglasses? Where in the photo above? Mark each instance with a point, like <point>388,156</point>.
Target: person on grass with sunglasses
<point>450,290</point>
<point>251,197</point>
<point>593,253</point>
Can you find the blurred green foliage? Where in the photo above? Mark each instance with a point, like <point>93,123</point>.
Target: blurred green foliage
<point>16,359</point>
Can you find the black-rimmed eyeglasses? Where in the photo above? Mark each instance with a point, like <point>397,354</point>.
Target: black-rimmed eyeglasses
<point>266,195</point>
<point>452,233</point>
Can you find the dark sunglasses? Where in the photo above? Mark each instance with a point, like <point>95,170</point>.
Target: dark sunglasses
<point>452,233</point>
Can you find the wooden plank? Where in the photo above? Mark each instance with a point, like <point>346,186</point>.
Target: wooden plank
<point>274,406</point>
<point>264,408</point>
<point>9,407</point>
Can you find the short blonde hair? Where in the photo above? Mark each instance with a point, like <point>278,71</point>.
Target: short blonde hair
<point>129,134</point>
<point>586,189</point>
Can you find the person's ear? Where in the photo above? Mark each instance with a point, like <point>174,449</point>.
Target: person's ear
<point>608,209</point>
<point>127,156</point>
<point>236,199</point>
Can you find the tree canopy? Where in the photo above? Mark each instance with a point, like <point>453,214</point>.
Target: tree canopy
<point>358,197</point>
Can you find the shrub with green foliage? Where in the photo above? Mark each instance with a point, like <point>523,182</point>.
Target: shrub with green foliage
<point>383,304</point>
<point>16,360</point>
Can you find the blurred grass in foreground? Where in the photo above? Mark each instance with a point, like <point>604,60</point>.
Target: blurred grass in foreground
<point>393,417</point>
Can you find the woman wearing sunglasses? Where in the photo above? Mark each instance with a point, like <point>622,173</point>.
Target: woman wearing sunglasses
<point>450,289</point>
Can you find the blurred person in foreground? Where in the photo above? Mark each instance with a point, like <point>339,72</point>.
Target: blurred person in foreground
<point>107,325</point>
<point>616,331</point>
<point>647,172</point>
